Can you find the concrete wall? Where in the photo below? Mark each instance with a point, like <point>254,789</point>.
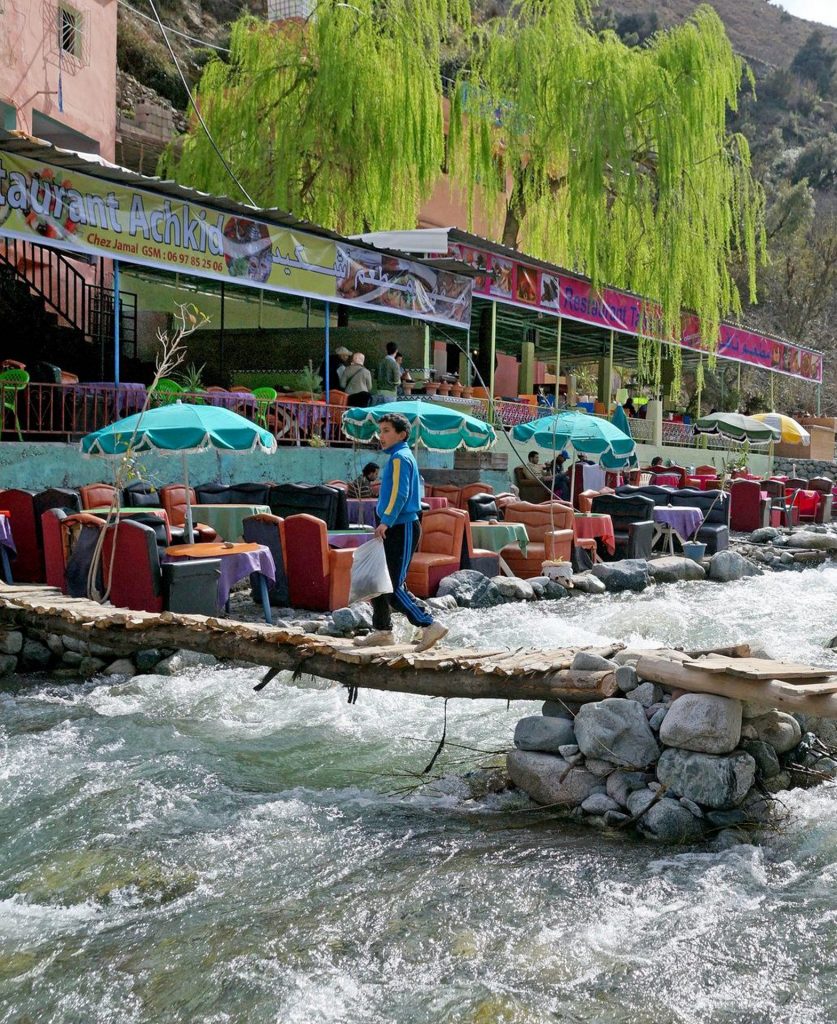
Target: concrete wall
<point>29,74</point>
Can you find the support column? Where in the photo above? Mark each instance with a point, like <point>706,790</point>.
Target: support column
<point>558,361</point>
<point>772,401</point>
<point>492,352</point>
<point>221,338</point>
<point>116,318</point>
<point>819,399</point>
<point>327,351</point>
<point>427,351</point>
<point>526,374</point>
<point>609,380</point>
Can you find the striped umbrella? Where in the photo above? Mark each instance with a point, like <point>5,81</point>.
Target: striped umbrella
<point>791,432</point>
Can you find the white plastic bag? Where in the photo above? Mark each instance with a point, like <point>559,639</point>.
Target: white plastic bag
<point>370,576</point>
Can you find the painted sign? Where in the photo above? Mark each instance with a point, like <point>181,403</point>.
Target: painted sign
<point>77,212</point>
<point>515,283</point>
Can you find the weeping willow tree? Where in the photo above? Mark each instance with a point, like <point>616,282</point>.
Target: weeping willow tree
<point>614,161</point>
<point>337,119</point>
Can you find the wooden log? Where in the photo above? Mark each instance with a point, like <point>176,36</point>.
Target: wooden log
<point>808,698</point>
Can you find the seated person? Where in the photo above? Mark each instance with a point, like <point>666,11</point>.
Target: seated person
<point>657,462</point>
<point>533,464</point>
<point>561,487</point>
<point>362,486</point>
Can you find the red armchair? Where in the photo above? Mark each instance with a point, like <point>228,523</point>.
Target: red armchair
<point>748,510</point>
<point>174,500</point>
<point>53,547</point>
<point>444,491</point>
<point>318,576</point>
<point>97,495</point>
<point>550,529</point>
<point>469,490</point>
<point>439,552</point>
<point>29,563</point>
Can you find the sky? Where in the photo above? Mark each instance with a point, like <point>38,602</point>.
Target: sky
<point>824,11</point>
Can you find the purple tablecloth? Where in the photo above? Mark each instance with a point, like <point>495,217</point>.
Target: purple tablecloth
<point>231,399</point>
<point>362,510</point>
<point>236,566</point>
<point>683,520</point>
<point>127,398</point>
<point>6,539</point>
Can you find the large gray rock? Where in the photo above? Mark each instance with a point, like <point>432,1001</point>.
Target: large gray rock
<point>147,658</point>
<point>713,781</point>
<point>599,803</point>
<point>585,661</point>
<point>620,785</point>
<point>35,655</point>
<point>780,730</point>
<point>616,730</point>
<point>673,568</point>
<point>626,678</point>
<point>646,694</point>
<point>11,641</point>
<point>764,534</point>
<point>182,660</point>
<point>627,574</point>
<point>728,565</point>
<point>544,734</point>
<point>470,589</point>
<point>548,589</point>
<point>809,539</point>
<point>548,779</point>
<point>668,821</point>
<point>8,665</point>
<point>586,583</point>
<point>513,589</point>
<point>766,758</point>
<point>121,667</point>
<point>702,722</point>
<point>640,800</point>
<point>559,709</point>
<point>345,619</point>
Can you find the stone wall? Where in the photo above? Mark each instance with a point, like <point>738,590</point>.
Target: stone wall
<point>805,468</point>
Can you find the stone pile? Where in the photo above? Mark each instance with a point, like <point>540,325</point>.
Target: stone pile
<point>677,767</point>
<point>790,548</point>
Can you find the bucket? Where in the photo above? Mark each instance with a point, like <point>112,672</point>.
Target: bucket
<point>694,549</point>
<point>557,570</point>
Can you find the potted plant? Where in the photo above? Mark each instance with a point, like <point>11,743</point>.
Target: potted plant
<point>430,388</point>
<point>310,383</point>
<point>444,388</point>
<point>456,390</point>
<point>191,379</point>
<point>467,392</point>
<point>557,569</point>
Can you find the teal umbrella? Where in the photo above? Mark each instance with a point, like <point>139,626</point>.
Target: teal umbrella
<point>589,435</point>
<point>436,427</point>
<point>179,428</point>
<point>736,427</point>
<point>620,420</point>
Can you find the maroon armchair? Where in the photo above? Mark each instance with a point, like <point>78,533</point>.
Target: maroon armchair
<point>748,510</point>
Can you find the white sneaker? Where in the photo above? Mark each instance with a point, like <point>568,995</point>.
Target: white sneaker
<point>431,635</point>
<point>377,638</point>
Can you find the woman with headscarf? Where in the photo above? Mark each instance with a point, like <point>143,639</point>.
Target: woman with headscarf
<point>357,382</point>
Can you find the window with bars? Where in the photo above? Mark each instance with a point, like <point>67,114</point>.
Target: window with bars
<point>70,31</point>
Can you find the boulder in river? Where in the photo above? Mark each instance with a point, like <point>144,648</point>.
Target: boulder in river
<point>616,730</point>
<point>780,730</point>
<point>546,734</point>
<point>470,589</point>
<point>710,780</point>
<point>703,722</point>
<point>548,779</point>
<point>668,821</point>
<point>810,540</point>
<point>673,568</point>
<point>627,574</point>
<point>728,565</point>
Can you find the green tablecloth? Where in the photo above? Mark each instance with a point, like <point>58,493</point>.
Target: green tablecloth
<point>495,536</point>
<point>226,520</point>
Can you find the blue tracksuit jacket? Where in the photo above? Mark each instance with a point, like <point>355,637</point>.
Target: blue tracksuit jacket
<point>399,500</point>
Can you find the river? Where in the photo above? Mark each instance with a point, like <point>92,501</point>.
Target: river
<point>182,849</point>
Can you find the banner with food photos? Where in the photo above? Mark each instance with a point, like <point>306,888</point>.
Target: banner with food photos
<point>77,212</point>
<point>514,282</point>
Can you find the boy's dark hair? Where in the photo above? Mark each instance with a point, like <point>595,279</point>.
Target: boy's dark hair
<point>370,469</point>
<point>400,424</point>
<point>392,348</point>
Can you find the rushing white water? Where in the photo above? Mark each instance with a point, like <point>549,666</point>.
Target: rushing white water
<point>182,849</point>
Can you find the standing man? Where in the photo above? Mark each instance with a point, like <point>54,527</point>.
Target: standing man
<point>399,511</point>
<point>332,370</point>
<point>389,374</point>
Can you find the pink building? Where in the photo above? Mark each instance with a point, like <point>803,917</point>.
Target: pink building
<point>58,75</point>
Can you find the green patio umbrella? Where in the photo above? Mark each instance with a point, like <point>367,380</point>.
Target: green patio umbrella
<point>734,426</point>
<point>437,428</point>
<point>179,428</point>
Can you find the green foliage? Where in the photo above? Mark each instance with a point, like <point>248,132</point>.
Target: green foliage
<point>191,378</point>
<point>817,163</point>
<point>816,61</point>
<point>621,164</point>
<point>338,120</point>
<point>148,61</point>
<point>309,380</point>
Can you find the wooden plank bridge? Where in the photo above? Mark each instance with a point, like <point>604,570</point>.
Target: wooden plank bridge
<point>490,672</point>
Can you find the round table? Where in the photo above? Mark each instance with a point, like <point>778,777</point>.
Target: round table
<point>227,520</point>
<point>595,524</point>
<point>495,536</point>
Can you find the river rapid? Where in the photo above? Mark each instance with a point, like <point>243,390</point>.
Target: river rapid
<point>182,849</point>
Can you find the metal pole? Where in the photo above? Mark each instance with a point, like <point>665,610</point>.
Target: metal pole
<point>116,321</point>
<point>492,354</point>
<point>739,385</point>
<point>327,334</point>
<point>772,402</point>
<point>221,338</point>
<point>819,399</point>
<point>609,375</point>
<point>427,351</point>
<point>558,362</point>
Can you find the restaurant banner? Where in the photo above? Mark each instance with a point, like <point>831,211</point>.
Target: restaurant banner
<point>81,213</point>
<point>516,283</point>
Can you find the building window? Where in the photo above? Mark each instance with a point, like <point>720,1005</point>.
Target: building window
<point>70,31</point>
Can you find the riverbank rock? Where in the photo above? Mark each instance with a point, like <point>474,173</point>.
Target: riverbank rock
<point>710,780</point>
<point>726,566</point>
<point>586,661</point>
<point>548,779</point>
<point>181,660</point>
<point>626,678</point>
<point>764,535</point>
<point>702,722</point>
<point>513,589</point>
<point>780,730</point>
<point>549,590</point>
<point>816,541</point>
<point>11,641</point>
<point>627,574</point>
<point>672,569</point>
<point>616,730</point>
<point>620,784</point>
<point>470,589</point>
<point>587,583</point>
<point>544,734</point>
<point>668,821</point>
<point>35,655</point>
<point>766,758</point>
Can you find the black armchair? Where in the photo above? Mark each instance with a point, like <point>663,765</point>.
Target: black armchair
<point>482,507</point>
<point>633,523</point>
<point>715,506</point>
<point>659,495</point>
<point>319,500</point>
<point>140,494</point>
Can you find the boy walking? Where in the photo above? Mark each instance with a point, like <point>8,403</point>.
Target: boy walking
<point>399,511</point>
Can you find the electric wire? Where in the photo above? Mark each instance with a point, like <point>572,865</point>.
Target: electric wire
<point>174,31</point>
<point>196,108</point>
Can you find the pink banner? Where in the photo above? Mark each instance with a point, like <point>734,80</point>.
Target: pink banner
<point>516,283</point>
